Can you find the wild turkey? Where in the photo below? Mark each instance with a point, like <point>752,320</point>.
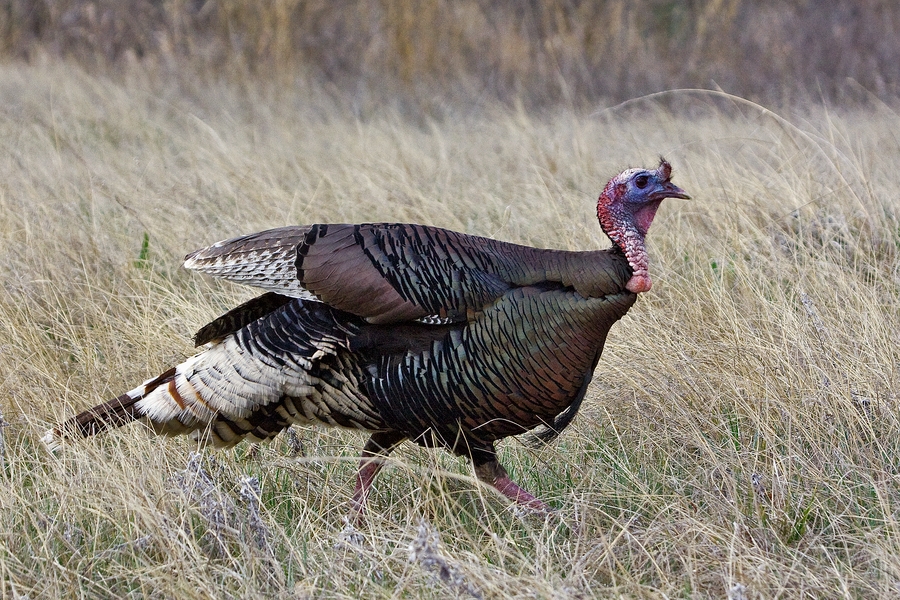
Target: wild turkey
<point>404,331</point>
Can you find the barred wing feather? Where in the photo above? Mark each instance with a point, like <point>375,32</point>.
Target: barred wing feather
<point>388,273</point>
<point>264,260</point>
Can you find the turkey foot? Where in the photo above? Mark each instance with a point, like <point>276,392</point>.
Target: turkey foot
<point>492,472</point>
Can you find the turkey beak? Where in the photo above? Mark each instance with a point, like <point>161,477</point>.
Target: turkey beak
<point>670,190</point>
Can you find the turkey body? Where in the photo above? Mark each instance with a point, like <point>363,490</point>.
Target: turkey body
<point>478,348</point>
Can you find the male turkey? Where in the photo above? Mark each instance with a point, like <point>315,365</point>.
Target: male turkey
<point>404,331</point>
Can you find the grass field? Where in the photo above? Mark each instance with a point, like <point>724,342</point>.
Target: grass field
<point>741,437</point>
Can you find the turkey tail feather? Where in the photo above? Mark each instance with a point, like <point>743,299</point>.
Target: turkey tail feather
<point>109,415</point>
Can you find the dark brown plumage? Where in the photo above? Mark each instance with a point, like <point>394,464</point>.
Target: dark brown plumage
<point>404,331</point>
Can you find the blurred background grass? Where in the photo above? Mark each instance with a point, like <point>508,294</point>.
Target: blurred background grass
<point>539,52</point>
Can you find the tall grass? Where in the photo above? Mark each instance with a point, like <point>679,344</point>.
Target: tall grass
<point>427,51</point>
<point>740,437</point>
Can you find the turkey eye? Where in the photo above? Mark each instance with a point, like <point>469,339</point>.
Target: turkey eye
<point>641,181</point>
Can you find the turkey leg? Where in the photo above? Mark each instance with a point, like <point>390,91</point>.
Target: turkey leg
<point>492,472</point>
<point>374,452</point>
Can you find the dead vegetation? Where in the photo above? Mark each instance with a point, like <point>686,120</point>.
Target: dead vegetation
<point>740,439</point>
<point>425,53</point>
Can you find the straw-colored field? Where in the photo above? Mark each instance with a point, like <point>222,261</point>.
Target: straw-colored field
<point>741,435</point>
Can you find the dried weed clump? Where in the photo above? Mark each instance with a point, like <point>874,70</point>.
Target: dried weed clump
<point>740,439</point>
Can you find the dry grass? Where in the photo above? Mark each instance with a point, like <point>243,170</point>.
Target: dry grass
<point>741,436</point>
<point>426,51</point>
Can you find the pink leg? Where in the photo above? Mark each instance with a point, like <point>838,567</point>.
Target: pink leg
<point>492,472</point>
<point>368,468</point>
<point>376,449</point>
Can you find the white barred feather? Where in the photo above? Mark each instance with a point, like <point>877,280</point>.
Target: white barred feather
<point>264,260</point>
<point>223,380</point>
